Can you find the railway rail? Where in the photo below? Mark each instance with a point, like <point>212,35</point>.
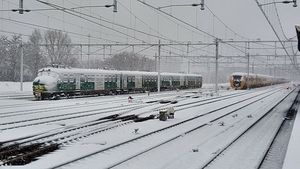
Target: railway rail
<point>135,143</point>
<point>46,142</point>
<point>256,136</point>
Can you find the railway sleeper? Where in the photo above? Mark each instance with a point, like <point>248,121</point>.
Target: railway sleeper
<point>14,151</point>
<point>136,118</point>
<point>128,117</point>
<point>9,147</point>
<point>109,117</point>
<point>31,156</point>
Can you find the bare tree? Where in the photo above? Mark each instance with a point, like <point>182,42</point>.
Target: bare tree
<point>130,61</point>
<point>146,64</point>
<point>3,56</point>
<point>33,55</point>
<point>58,48</point>
<point>13,58</point>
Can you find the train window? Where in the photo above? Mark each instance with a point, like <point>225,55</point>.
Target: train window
<point>133,79</point>
<point>82,78</point>
<point>92,78</point>
<point>71,78</point>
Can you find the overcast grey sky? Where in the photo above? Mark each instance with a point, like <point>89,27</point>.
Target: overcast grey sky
<point>136,22</point>
<point>243,17</point>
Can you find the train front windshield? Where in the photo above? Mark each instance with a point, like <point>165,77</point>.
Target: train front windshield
<point>237,80</point>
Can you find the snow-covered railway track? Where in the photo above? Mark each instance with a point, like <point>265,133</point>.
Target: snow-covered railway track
<point>15,96</point>
<point>26,150</point>
<point>196,124</point>
<point>250,145</point>
<point>274,157</point>
<point>43,115</point>
<point>67,116</point>
<point>37,107</point>
<point>41,110</point>
<point>154,139</point>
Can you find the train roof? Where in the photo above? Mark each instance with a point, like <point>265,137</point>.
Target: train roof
<point>251,74</point>
<point>78,70</point>
<point>94,71</point>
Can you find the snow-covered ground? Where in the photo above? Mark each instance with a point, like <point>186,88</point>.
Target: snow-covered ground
<point>15,87</point>
<point>96,142</point>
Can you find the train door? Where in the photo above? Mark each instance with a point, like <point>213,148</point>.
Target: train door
<point>83,82</point>
<point>124,81</point>
<point>99,82</point>
<point>77,76</point>
<point>138,82</point>
<point>181,79</point>
<point>118,78</point>
<point>130,82</point>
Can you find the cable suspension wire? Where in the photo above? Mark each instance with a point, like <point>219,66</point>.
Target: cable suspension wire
<point>185,22</point>
<point>71,12</point>
<point>291,54</point>
<point>177,19</point>
<point>237,47</point>
<point>102,38</point>
<point>129,28</point>
<point>65,10</point>
<point>176,41</point>
<point>68,23</point>
<point>75,25</point>
<point>44,27</point>
<point>224,23</point>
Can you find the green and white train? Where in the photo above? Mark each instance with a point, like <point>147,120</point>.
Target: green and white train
<point>52,83</point>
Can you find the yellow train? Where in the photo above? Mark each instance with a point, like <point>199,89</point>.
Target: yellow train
<point>239,80</point>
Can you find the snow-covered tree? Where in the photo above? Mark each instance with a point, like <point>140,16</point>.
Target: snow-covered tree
<point>58,48</point>
<point>130,61</point>
<point>33,54</point>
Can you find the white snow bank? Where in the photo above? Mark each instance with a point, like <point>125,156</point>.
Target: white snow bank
<point>15,86</point>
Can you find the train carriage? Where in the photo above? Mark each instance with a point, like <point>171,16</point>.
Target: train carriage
<point>56,82</point>
<point>239,80</point>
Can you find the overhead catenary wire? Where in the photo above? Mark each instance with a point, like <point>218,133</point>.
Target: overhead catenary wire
<point>292,59</point>
<point>61,21</point>
<point>177,50</point>
<point>65,10</point>
<point>174,41</point>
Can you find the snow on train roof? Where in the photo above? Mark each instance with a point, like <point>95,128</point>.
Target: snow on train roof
<point>78,70</point>
<point>251,74</point>
<point>94,71</point>
<point>155,73</point>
